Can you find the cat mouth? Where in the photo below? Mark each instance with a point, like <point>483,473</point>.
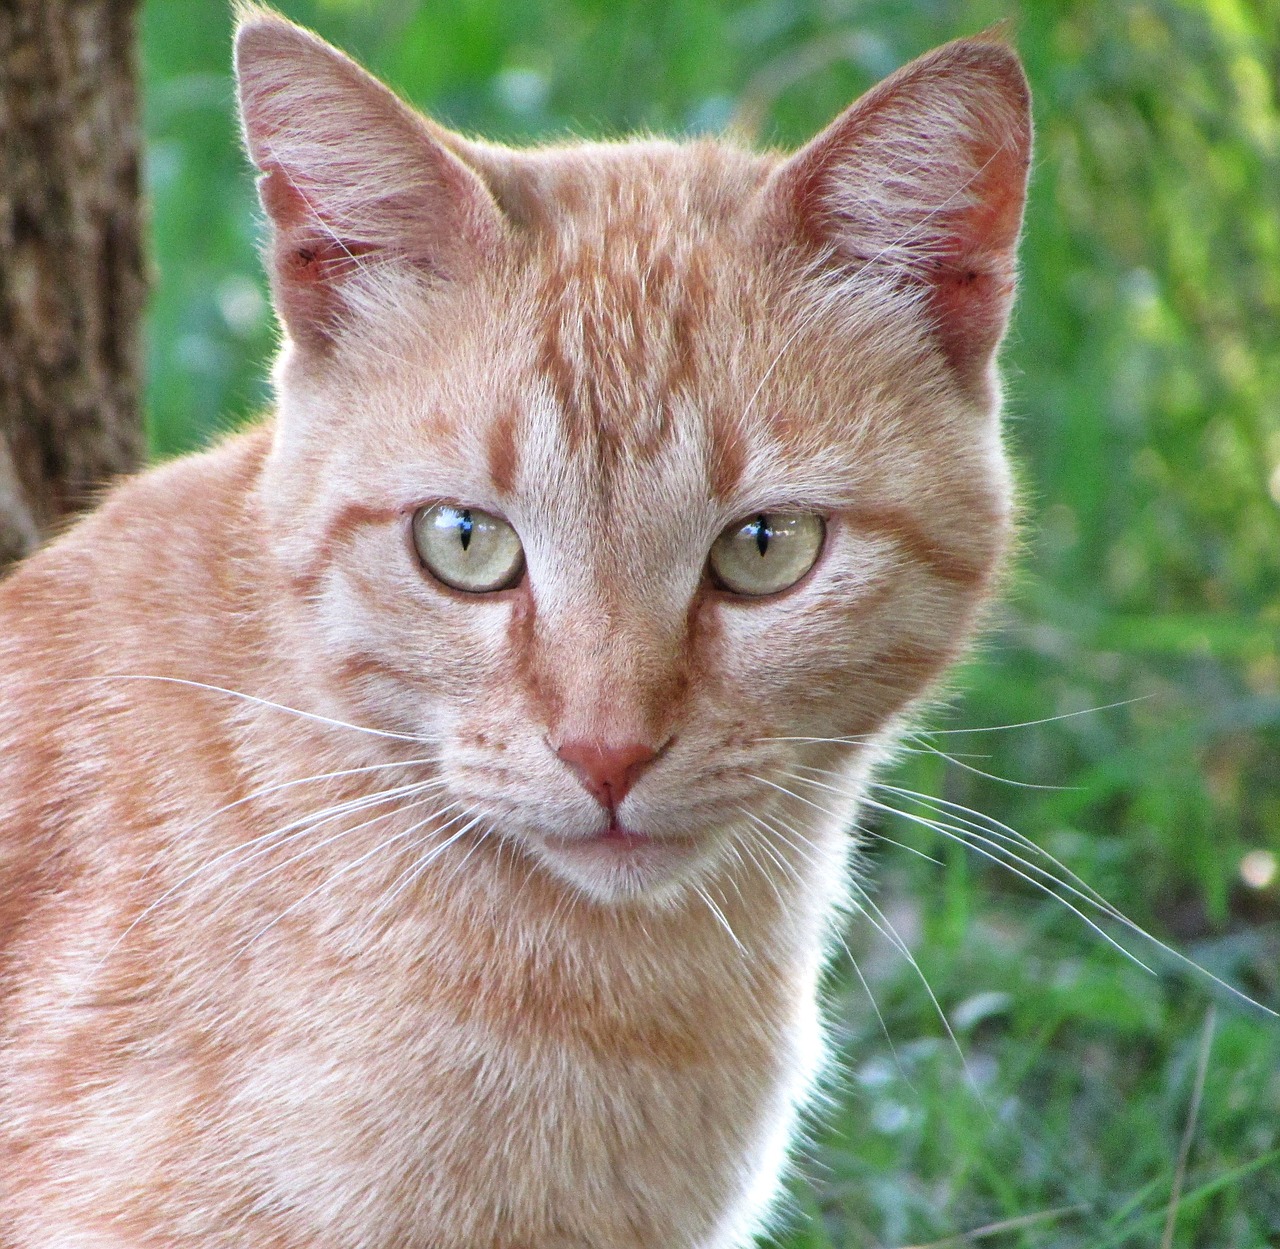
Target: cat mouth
<point>619,841</point>
<point>622,837</point>
<point>619,862</point>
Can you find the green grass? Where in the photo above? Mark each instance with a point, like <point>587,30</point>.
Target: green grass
<point>1144,395</point>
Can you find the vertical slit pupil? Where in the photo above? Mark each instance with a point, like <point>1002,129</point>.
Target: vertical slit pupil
<point>761,527</point>
<point>464,527</point>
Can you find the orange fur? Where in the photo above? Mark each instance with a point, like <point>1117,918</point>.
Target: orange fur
<point>307,935</point>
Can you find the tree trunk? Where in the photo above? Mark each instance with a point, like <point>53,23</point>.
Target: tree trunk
<point>71,270</point>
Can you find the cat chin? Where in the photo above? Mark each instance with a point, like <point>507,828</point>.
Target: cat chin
<point>621,866</point>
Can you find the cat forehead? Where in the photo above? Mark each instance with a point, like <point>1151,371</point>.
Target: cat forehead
<point>634,260</point>
<point>645,340</point>
<point>597,194</point>
<point>652,312</point>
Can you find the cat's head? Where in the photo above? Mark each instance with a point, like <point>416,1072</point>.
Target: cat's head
<point>616,469</point>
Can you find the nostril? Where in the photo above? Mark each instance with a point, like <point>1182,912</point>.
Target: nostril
<point>607,771</point>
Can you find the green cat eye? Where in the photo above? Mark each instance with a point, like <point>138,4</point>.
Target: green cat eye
<point>766,553</point>
<point>467,549</point>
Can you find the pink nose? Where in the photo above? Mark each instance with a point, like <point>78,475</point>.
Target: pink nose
<point>608,772</point>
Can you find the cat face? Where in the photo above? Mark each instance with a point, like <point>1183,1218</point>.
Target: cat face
<point>635,356</point>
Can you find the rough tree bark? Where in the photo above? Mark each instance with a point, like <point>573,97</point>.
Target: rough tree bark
<point>71,269</point>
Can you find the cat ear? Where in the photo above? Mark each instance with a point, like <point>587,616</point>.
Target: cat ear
<point>921,182</point>
<point>357,185</point>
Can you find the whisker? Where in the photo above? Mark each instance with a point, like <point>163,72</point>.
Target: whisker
<point>1003,856</point>
<point>981,822</point>
<point>902,845</point>
<point>755,838</point>
<point>967,829</point>
<point>803,850</point>
<point>267,790</point>
<point>885,928</point>
<point>721,919</point>
<point>300,827</point>
<point>1027,724</point>
<point>969,838</point>
<point>900,747</point>
<point>402,882</point>
<point>315,717</point>
<point>311,849</point>
<point>856,739</point>
<point>736,849</point>
<point>875,1006</point>
<point>1087,894</point>
<point>462,862</point>
<point>764,845</point>
<point>992,776</point>
<point>880,921</point>
<point>761,869</point>
<point>349,867</point>
<point>414,872</point>
<point>866,906</point>
<point>306,823</point>
<point>409,872</point>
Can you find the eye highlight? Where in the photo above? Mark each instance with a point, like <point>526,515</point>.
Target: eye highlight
<point>766,553</point>
<point>467,549</point>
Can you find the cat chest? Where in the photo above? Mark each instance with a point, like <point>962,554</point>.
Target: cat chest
<point>533,1129</point>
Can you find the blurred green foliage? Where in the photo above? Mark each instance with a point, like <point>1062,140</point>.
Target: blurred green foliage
<point>1143,376</point>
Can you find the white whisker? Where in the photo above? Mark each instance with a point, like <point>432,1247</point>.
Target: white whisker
<point>1027,724</point>
<point>875,1006</point>
<point>880,921</point>
<point>263,843</point>
<point>982,823</point>
<point>991,776</point>
<point>720,916</point>
<point>977,840</point>
<point>803,850</point>
<point>762,842</point>
<point>417,868</point>
<point>314,717</point>
<point>342,871</point>
<point>279,787</point>
<point>311,849</point>
<point>966,837</point>
<point>902,845</point>
<point>976,836</point>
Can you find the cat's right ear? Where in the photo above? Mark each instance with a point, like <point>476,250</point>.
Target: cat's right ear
<point>356,185</point>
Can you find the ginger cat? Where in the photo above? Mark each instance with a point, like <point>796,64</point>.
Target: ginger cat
<point>397,844</point>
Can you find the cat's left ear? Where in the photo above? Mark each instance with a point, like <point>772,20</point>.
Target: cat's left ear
<point>921,183</point>
<point>359,187</point>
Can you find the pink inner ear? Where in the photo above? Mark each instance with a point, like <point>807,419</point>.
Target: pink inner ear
<point>307,256</point>
<point>972,291</point>
<point>309,245</point>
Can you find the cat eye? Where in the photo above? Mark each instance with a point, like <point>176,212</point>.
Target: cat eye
<point>766,553</point>
<point>467,549</point>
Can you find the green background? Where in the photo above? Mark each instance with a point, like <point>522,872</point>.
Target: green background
<point>1143,379</point>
